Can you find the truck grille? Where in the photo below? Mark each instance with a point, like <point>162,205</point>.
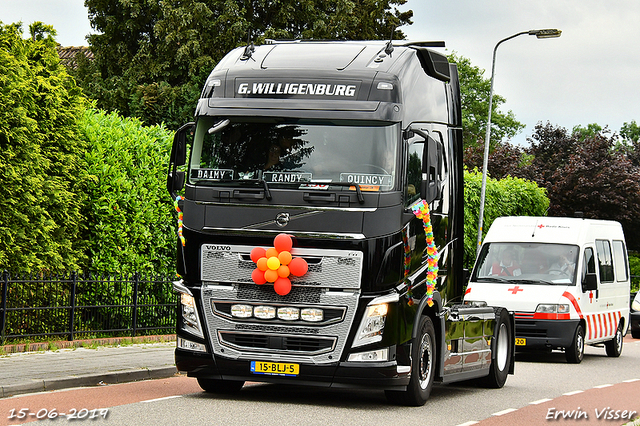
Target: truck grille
<point>277,343</point>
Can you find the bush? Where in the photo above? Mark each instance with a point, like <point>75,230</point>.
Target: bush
<point>634,266</point>
<point>505,197</point>
<point>129,214</point>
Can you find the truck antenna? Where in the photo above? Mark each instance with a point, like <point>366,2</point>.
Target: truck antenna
<point>249,49</point>
<point>389,48</point>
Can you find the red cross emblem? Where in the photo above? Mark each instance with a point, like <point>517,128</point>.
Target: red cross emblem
<point>541,226</point>
<point>515,290</point>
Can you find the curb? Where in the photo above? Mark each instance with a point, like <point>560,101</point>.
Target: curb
<point>87,381</point>
<point>66,344</point>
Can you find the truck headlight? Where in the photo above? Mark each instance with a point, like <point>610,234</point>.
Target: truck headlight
<point>190,318</point>
<point>373,321</point>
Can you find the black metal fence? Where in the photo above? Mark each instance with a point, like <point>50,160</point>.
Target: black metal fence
<point>80,306</point>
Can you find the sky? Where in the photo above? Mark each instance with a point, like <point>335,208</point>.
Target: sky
<point>591,74</point>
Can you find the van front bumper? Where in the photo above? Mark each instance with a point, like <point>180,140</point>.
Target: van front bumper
<point>550,334</point>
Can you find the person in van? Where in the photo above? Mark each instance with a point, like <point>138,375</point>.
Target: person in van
<point>507,265</point>
<point>565,264</point>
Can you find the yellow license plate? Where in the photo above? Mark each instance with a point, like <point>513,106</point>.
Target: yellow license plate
<point>520,341</point>
<point>275,368</point>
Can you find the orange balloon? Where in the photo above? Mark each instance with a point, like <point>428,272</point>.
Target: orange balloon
<point>258,277</point>
<point>283,271</point>
<point>257,253</point>
<point>262,264</point>
<point>285,257</point>
<point>271,252</point>
<point>270,275</point>
<point>298,266</point>
<point>282,286</point>
<point>282,242</point>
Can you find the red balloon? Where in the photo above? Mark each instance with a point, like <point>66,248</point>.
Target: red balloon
<point>282,286</point>
<point>298,266</point>
<point>258,277</point>
<point>282,242</point>
<point>257,253</point>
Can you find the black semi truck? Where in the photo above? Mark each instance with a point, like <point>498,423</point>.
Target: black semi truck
<point>327,146</point>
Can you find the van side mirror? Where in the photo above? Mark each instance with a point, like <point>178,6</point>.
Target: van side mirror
<point>590,282</point>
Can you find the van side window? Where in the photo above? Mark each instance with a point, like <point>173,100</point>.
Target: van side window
<point>589,264</point>
<point>620,261</point>
<point>605,262</point>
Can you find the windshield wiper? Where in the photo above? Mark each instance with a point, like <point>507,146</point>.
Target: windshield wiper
<point>348,184</point>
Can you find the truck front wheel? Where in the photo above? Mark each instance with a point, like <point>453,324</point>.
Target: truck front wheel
<point>423,367</point>
<point>220,386</point>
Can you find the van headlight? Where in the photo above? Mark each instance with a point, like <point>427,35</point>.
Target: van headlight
<point>373,321</point>
<point>552,308</point>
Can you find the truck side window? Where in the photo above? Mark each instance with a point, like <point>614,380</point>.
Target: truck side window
<point>620,261</point>
<point>414,172</point>
<point>605,262</point>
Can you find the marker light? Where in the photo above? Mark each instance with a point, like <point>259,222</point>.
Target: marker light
<point>288,314</point>
<point>312,315</point>
<point>242,311</point>
<point>264,312</point>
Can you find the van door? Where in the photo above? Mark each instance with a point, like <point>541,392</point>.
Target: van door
<point>608,312</point>
<point>590,292</point>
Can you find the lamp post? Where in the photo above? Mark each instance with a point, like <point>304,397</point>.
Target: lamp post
<point>546,33</point>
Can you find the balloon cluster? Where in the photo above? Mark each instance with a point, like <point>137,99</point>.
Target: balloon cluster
<point>180,217</point>
<point>421,210</point>
<point>275,264</point>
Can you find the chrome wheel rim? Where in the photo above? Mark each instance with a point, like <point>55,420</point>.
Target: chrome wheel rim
<point>426,361</point>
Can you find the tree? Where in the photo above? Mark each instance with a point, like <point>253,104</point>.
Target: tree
<point>474,91</point>
<point>42,172</point>
<point>151,58</point>
<point>601,182</point>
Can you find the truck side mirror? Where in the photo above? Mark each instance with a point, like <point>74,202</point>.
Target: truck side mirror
<point>590,282</point>
<point>431,187</point>
<point>175,178</point>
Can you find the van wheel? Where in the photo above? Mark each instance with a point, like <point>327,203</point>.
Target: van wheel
<point>423,368</point>
<point>501,352</point>
<point>575,352</point>
<point>614,346</point>
<point>220,386</point>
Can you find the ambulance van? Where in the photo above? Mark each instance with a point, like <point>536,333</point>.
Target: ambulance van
<point>566,280</point>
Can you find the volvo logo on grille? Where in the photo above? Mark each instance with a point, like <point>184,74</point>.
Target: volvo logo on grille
<point>282,219</point>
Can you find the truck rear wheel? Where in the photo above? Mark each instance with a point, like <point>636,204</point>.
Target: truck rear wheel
<point>423,368</point>
<point>575,352</point>
<point>220,386</point>
<point>614,346</point>
<point>501,352</point>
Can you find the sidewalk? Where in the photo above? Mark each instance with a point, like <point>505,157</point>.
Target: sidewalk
<point>29,372</point>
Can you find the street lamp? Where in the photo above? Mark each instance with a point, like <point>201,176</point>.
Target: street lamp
<point>546,33</point>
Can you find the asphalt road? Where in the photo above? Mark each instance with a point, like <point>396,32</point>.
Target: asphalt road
<point>541,382</point>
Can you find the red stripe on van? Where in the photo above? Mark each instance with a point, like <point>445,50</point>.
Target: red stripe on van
<point>574,302</point>
<point>601,326</point>
<point>589,325</point>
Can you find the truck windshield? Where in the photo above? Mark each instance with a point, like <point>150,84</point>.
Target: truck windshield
<point>529,262</point>
<point>298,153</point>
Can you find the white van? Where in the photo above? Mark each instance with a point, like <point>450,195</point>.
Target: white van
<point>566,280</point>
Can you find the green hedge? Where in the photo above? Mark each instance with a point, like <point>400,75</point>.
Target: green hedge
<point>505,197</point>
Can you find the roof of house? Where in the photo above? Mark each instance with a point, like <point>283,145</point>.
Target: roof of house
<point>68,55</point>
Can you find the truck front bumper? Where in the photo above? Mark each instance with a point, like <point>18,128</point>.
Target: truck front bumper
<point>380,375</point>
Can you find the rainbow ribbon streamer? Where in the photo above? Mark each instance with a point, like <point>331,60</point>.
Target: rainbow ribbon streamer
<point>421,210</point>
<point>180,217</point>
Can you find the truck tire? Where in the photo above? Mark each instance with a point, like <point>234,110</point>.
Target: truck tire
<point>501,351</point>
<point>614,346</point>
<point>423,368</point>
<point>575,352</point>
<point>220,386</point>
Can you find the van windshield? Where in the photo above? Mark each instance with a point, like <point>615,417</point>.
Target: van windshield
<point>296,153</point>
<point>532,263</point>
